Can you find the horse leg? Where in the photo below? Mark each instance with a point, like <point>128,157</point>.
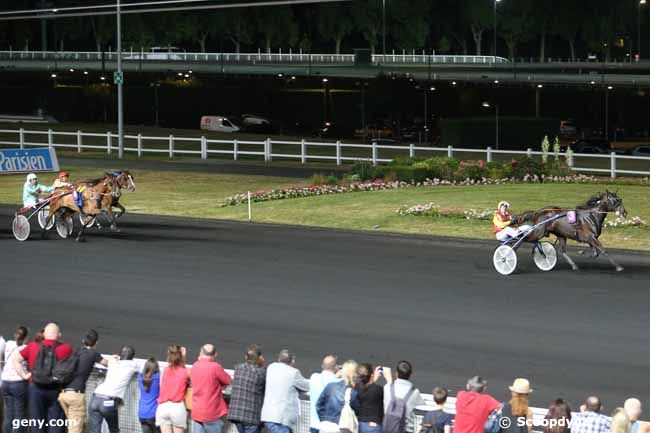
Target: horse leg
<point>598,246</point>
<point>80,234</point>
<point>562,242</point>
<point>121,208</point>
<point>112,219</point>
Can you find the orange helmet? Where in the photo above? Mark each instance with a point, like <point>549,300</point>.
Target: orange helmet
<point>63,174</point>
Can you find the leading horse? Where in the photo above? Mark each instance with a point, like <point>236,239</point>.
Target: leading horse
<point>587,227</point>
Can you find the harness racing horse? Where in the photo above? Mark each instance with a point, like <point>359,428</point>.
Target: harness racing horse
<point>124,180</point>
<point>588,225</point>
<point>96,196</point>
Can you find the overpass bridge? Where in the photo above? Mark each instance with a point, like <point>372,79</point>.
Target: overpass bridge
<point>470,69</point>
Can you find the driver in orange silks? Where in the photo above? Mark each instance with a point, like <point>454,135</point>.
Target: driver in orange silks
<point>502,221</point>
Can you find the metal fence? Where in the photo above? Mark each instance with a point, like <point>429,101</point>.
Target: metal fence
<point>129,422</point>
<point>305,151</point>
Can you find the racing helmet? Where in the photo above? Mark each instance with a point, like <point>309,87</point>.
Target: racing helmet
<point>31,176</point>
<point>63,174</point>
<point>503,203</point>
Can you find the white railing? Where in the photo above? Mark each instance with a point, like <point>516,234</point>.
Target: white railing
<point>339,152</point>
<point>289,56</point>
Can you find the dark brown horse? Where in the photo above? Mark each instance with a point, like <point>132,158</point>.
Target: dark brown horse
<point>97,194</point>
<point>587,227</point>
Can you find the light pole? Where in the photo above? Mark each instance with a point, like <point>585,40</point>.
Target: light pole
<point>496,121</point>
<point>119,79</point>
<point>638,30</point>
<point>325,80</point>
<point>426,110</point>
<point>155,102</point>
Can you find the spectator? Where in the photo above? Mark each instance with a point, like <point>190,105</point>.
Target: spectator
<point>110,394</point>
<point>149,386</point>
<point>517,408</point>
<point>14,387</point>
<point>371,399</point>
<point>473,407</point>
<point>171,415</point>
<point>620,421</point>
<point>247,393</point>
<point>43,404</point>
<point>208,379</point>
<point>634,410</point>
<point>73,397</point>
<point>331,400</point>
<point>561,413</point>
<point>281,403</point>
<point>402,388</point>
<point>590,420</point>
<point>317,383</point>
<point>437,420</point>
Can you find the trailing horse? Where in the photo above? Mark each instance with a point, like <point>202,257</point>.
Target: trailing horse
<point>96,195</point>
<point>587,227</point>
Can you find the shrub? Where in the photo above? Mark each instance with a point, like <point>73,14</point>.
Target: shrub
<point>442,167</point>
<point>410,173</point>
<point>471,170</point>
<point>364,170</point>
<point>390,176</point>
<point>318,179</point>
<point>332,180</point>
<point>520,167</point>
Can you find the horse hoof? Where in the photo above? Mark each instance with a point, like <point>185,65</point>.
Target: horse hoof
<point>619,268</point>
<point>80,240</point>
<point>581,252</point>
<point>575,268</point>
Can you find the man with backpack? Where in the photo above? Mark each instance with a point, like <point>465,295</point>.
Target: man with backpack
<point>400,400</point>
<point>73,396</point>
<point>43,389</point>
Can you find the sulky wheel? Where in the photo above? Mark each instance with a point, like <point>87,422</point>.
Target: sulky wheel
<point>21,228</point>
<point>546,259</point>
<point>504,259</point>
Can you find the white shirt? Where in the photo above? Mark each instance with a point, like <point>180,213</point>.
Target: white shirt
<point>120,373</point>
<point>9,372</point>
<point>2,356</point>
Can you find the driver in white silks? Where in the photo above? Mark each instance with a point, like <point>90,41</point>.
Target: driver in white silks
<point>32,190</point>
<point>502,221</point>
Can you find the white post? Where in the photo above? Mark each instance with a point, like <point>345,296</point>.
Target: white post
<point>109,145</point>
<point>488,154</point>
<point>269,150</point>
<point>79,141</point>
<point>569,160</point>
<point>411,150</point>
<point>235,150</point>
<point>374,153</point>
<point>50,141</point>
<point>171,146</point>
<point>450,152</point>
<point>250,211</point>
<point>303,151</point>
<point>139,145</point>
<point>613,164</point>
<point>529,153</point>
<point>338,152</point>
<point>204,148</point>
<point>21,138</point>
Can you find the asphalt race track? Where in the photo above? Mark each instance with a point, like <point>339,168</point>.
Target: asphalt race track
<point>367,296</point>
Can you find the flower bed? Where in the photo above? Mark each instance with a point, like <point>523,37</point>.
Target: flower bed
<point>434,210</point>
<point>380,184</point>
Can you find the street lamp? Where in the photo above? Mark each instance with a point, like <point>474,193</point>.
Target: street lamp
<point>638,30</point>
<point>119,81</point>
<point>495,30</point>
<point>383,20</point>
<point>496,118</point>
<point>155,101</point>
<point>325,80</point>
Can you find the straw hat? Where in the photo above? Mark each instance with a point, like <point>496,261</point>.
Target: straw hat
<point>521,386</point>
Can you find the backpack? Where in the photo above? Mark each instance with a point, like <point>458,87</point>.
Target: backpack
<point>395,414</point>
<point>64,371</point>
<point>44,364</point>
<point>493,423</point>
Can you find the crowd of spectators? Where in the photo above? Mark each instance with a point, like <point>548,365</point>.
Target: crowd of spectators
<point>45,379</point>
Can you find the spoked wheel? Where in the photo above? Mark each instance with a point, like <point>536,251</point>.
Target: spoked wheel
<point>546,259</point>
<point>505,259</point>
<point>87,220</point>
<point>64,226</point>
<point>42,218</point>
<point>20,227</point>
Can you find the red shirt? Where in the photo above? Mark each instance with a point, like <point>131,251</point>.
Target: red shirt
<point>30,352</point>
<point>208,379</point>
<point>472,410</point>
<point>173,385</point>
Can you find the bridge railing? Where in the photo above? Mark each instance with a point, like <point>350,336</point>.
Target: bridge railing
<point>303,151</point>
<point>259,57</point>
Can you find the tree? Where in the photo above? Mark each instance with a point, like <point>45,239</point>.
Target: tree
<point>238,27</point>
<point>409,26</point>
<point>515,20</point>
<point>605,21</point>
<point>335,23</point>
<point>543,12</point>
<point>197,28</point>
<point>138,33</point>
<point>480,17</point>
<point>277,26</point>
<point>103,29</point>
<point>568,22</point>
<point>367,18</point>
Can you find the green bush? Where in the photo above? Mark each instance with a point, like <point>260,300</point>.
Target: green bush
<point>409,173</point>
<point>469,170</point>
<point>520,167</point>
<point>442,167</point>
<point>318,179</point>
<point>365,170</point>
